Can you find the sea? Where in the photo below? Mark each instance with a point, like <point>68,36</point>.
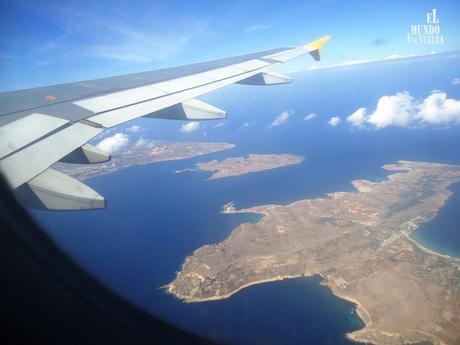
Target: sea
<point>155,217</point>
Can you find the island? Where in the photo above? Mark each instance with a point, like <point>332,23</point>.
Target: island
<point>235,166</point>
<point>147,153</point>
<point>359,243</point>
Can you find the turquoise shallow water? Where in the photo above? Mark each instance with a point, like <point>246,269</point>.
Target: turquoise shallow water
<point>156,218</point>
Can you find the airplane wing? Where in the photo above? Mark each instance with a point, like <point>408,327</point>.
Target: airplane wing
<point>41,126</point>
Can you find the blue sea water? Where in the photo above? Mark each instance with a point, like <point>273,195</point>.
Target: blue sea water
<point>155,217</point>
<point>442,233</point>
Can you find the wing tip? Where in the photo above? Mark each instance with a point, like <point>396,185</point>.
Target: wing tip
<point>318,44</point>
<point>315,46</point>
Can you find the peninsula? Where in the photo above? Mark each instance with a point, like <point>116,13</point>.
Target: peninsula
<point>235,166</point>
<point>147,153</point>
<point>359,243</point>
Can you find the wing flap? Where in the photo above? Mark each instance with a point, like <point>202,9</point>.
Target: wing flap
<point>180,84</point>
<point>267,78</point>
<point>87,154</point>
<point>192,110</point>
<point>118,116</point>
<point>53,190</point>
<point>222,73</point>
<point>119,99</point>
<point>252,65</point>
<point>25,164</point>
<point>22,132</point>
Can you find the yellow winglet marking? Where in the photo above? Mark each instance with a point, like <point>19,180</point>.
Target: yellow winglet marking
<point>316,45</point>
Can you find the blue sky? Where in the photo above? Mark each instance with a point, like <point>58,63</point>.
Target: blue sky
<point>48,42</point>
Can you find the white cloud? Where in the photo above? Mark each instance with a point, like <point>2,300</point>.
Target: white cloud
<point>342,64</point>
<point>247,124</point>
<point>437,109</point>
<point>403,110</point>
<point>220,124</point>
<point>455,81</point>
<point>141,142</point>
<point>144,143</point>
<point>281,118</point>
<point>358,118</point>
<point>114,143</point>
<point>334,121</point>
<point>190,127</point>
<point>257,28</point>
<point>393,110</point>
<point>351,63</point>
<point>309,117</point>
<point>134,129</point>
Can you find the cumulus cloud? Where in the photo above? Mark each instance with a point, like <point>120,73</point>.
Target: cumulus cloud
<point>455,81</point>
<point>437,109</point>
<point>134,129</point>
<point>403,110</point>
<point>190,127</point>
<point>281,118</point>
<point>309,117</point>
<point>114,143</point>
<point>334,121</point>
<point>395,110</point>
<point>358,118</point>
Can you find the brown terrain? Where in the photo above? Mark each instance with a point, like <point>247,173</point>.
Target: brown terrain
<point>148,153</point>
<point>359,243</point>
<point>235,166</point>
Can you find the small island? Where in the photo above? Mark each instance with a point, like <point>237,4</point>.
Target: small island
<point>148,153</point>
<point>359,243</point>
<point>235,166</point>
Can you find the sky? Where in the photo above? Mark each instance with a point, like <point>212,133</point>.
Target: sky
<point>49,42</point>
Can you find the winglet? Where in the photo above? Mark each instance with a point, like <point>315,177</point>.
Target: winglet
<point>315,46</point>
